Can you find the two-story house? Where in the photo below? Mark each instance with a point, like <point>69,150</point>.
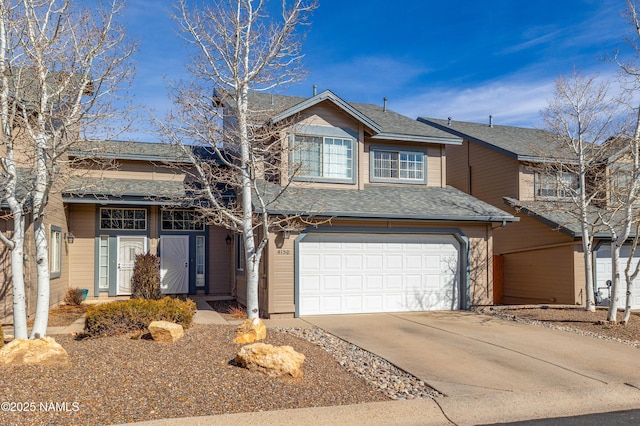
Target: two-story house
<point>539,259</point>
<point>399,238</point>
<point>393,236</point>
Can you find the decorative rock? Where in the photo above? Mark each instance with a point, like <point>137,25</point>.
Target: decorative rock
<point>274,361</point>
<point>165,331</point>
<point>250,331</point>
<point>38,351</point>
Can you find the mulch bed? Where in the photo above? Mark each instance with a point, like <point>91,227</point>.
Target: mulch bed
<point>120,380</point>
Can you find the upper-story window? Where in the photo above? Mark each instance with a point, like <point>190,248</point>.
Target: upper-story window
<point>390,165</point>
<point>123,218</point>
<point>556,185</point>
<point>324,158</point>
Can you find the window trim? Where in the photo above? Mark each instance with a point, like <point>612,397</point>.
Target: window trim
<point>146,219</point>
<point>191,222</point>
<point>557,196</point>
<point>239,254</point>
<point>325,132</point>
<point>399,150</point>
<point>57,259</point>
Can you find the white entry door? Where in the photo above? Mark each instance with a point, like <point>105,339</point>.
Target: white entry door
<point>128,248</point>
<point>174,264</point>
<point>366,273</point>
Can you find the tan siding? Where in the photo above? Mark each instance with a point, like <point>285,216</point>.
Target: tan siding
<point>527,183</point>
<point>220,261</point>
<point>579,275</point>
<point>458,166</point>
<point>327,114</point>
<point>6,293</point>
<point>281,274</point>
<point>527,233</point>
<point>126,169</point>
<point>83,225</point>
<point>493,175</point>
<point>540,276</point>
<point>55,215</point>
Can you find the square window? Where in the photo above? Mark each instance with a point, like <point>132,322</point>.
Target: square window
<point>391,165</point>
<point>323,157</point>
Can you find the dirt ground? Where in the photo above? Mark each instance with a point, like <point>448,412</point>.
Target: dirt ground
<point>574,319</point>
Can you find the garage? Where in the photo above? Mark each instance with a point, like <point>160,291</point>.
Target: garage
<point>347,273</point>
<point>603,273</point>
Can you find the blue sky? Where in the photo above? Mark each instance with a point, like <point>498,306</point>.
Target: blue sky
<point>464,59</point>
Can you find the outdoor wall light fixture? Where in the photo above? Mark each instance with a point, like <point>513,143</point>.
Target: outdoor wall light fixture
<point>70,237</point>
<point>228,240</point>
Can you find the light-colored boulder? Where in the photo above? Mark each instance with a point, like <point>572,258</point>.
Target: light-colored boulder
<point>274,361</point>
<point>165,331</point>
<point>250,331</point>
<point>44,350</point>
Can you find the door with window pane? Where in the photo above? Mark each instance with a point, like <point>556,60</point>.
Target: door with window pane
<point>128,248</point>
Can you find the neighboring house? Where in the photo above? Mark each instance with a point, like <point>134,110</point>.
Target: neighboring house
<point>399,238</point>
<point>539,258</point>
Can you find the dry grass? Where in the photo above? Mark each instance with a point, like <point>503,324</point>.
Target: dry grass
<point>238,312</point>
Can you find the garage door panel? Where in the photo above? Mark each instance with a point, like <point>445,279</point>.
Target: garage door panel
<point>377,273</point>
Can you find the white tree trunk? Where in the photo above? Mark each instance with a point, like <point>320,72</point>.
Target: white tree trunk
<point>42,246</point>
<point>17,278</point>
<point>614,301</point>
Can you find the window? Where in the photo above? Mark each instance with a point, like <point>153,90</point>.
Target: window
<point>55,252</point>
<point>181,220</point>
<point>389,165</point>
<point>324,157</point>
<point>239,253</point>
<point>556,185</point>
<point>128,219</point>
<point>200,261</point>
<point>103,263</point>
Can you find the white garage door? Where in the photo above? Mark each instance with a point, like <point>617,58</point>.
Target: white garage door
<point>603,273</point>
<point>365,273</point>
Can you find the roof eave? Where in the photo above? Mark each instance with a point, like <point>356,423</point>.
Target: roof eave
<point>556,226</point>
<point>422,217</point>
<point>414,138</point>
<point>330,96</point>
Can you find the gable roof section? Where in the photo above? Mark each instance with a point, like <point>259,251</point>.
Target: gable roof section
<point>380,123</point>
<point>385,202</point>
<point>520,143</point>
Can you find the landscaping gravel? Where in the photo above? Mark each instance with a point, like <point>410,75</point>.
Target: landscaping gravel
<point>120,380</point>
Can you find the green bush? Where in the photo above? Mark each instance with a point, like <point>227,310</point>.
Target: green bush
<point>136,314</point>
<point>145,281</point>
<point>73,296</point>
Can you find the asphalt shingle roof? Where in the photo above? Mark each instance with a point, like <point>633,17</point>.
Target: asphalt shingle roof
<point>557,215</point>
<point>389,202</point>
<point>518,142</point>
<point>389,122</point>
<point>128,150</point>
<point>108,188</point>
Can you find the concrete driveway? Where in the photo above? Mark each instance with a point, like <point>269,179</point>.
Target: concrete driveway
<point>466,354</point>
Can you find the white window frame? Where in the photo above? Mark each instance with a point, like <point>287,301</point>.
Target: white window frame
<point>329,165</point>
<point>55,252</point>
<point>201,260</point>
<point>103,263</point>
<point>401,174</point>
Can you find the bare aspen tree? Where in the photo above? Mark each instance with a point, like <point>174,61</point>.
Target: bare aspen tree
<point>580,115</point>
<point>627,191</point>
<point>238,50</point>
<point>62,66</point>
